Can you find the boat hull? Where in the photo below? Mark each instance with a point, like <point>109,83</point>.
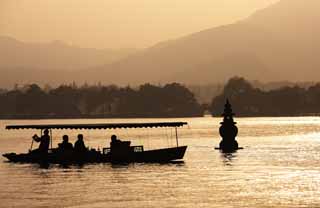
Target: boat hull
<point>161,155</point>
<point>158,156</point>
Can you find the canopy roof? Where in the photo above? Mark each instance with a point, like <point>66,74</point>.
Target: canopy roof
<point>98,126</point>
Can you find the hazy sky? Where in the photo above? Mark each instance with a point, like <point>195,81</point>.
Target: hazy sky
<point>117,23</point>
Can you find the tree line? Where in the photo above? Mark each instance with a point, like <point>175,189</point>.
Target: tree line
<point>71,101</point>
<point>170,100</point>
<point>250,101</point>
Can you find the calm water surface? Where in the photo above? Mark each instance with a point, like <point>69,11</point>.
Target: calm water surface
<point>279,167</point>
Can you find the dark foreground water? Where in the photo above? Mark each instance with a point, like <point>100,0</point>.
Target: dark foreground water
<point>279,167</point>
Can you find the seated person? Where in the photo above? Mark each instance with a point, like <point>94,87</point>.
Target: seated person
<point>65,144</point>
<point>114,141</point>
<point>118,144</point>
<point>79,144</point>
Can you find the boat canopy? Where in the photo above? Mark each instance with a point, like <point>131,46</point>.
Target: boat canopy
<point>98,125</point>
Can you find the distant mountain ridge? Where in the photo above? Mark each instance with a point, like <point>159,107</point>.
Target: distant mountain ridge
<point>281,42</point>
<point>55,55</point>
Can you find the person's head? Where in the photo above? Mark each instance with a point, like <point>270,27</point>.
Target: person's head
<point>46,132</point>
<point>80,137</point>
<point>113,138</point>
<point>65,138</point>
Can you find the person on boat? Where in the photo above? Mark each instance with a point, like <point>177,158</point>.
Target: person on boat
<point>44,142</point>
<point>79,144</point>
<point>117,144</point>
<point>65,144</point>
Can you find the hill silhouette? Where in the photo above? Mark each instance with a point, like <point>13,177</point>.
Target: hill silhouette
<point>280,42</point>
<point>56,55</point>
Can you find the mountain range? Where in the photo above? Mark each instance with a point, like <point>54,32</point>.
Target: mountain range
<point>24,62</point>
<point>281,42</point>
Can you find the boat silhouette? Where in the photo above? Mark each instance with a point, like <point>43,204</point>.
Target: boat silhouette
<point>123,152</point>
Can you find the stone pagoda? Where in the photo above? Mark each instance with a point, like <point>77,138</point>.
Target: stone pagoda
<point>228,130</point>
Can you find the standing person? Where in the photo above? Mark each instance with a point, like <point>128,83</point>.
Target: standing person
<point>44,142</point>
<point>79,144</point>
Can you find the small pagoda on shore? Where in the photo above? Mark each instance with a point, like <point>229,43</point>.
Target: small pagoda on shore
<point>228,130</point>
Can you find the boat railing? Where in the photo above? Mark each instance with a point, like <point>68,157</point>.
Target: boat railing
<point>106,151</point>
<point>137,148</point>
<point>133,148</point>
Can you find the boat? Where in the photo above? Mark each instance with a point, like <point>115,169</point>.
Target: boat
<point>124,154</point>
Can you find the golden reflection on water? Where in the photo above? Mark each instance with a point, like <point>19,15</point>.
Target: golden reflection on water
<point>279,167</point>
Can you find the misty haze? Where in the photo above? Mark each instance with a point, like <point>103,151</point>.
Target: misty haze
<point>277,43</point>
<point>162,103</point>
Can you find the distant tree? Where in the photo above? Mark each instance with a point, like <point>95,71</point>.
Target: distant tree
<point>33,100</point>
<point>64,101</point>
<point>250,101</point>
<point>237,86</point>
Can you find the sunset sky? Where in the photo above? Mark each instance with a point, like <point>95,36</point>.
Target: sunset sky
<point>117,23</point>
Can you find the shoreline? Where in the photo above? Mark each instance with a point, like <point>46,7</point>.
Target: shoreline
<point>37,117</point>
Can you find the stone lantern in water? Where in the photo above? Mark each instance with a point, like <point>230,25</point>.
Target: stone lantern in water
<point>228,130</point>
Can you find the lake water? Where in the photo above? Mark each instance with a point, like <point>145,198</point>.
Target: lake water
<point>278,167</point>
